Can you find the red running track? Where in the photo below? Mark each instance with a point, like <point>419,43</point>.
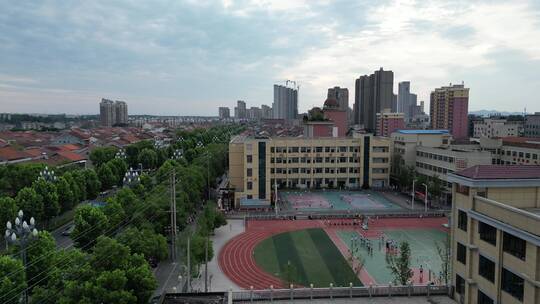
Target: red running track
<point>236,258</point>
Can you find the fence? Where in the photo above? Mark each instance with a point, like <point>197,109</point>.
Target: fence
<point>337,292</point>
<point>335,214</point>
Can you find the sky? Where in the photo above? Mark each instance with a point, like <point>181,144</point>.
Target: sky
<point>173,57</point>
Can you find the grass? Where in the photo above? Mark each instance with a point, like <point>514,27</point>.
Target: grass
<point>307,256</point>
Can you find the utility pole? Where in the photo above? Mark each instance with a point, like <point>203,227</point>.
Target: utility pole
<point>412,193</point>
<point>188,264</point>
<point>206,266</point>
<point>173,216</point>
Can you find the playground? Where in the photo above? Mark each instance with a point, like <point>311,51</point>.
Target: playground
<point>365,200</point>
<point>303,252</point>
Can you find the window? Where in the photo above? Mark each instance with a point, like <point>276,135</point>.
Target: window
<point>483,298</point>
<point>462,253</point>
<point>249,172</point>
<point>249,159</point>
<point>514,245</point>
<point>487,233</point>
<point>460,285</point>
<point>512,284</point>
<point>249,185</point>
<point>486,268</point>
<point>462,220</point>
<point>462,189</point>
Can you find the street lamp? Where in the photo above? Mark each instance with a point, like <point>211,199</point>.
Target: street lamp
<point>425,198</point>
<point>131,178</point>
<point>412,194</point>
<point>20,234</point>
<point>177,154</point>
<point>47,175</point>
<point>120,154</point>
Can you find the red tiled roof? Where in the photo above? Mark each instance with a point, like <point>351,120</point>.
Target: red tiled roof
<point>70,147</point>
<point>34,152</point>
<point>9,153</point>
<point>501,172</point>
<point>71,156</point>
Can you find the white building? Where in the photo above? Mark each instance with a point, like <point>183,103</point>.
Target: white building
<point>497,127</point>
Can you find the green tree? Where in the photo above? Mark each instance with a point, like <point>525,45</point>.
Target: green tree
<point>12,280</point>
<point>92,183</point>
<point>90,223</point>
<point>106,176</point>
<point>66,197</point>
<point>400,266</point>
<point>119,168</point>
<point>80,179</point>
<point>73,186</point>
<point>198,248</point>
<point>148,158</point>
<point>101,155</point>
<point>47,191</point>
<point>145,242</point>
<point>31,203</point>
<point>8,210</point>
<point>114,212</point>
<point>40,257</point>
<point>129,202</point>
<point>435,187</point>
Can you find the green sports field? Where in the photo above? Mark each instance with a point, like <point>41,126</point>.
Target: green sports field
<point>307,257</point>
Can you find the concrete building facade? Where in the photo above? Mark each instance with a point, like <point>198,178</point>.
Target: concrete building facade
<point>449,107</point>
<point>266,111</point>
<point>285,104</point>
<point>224,112</point>
<point>406,101</point>
<point>240,111</point>
<point>112,112</point>
<point>341,95</point>
<point>121,112</point>
<point>388,123</point>
<point>495,234</point>
<point>373,94</point>
<point>256,164</point>
<point>405,143</point>
<point>532,125</point>
<point>497,127</point>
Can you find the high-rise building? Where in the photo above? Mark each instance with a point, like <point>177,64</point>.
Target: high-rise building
<point>341,95</point>
<point>107,114</point>
<point>285,104</point>
<point>224,112</point>
<point>240,110</point>
<point>112,113</point>
<point>388,123</point>
<point>495,230</point>
<point>254,113</point>
<point>406,101</point>
<point>373,93</point>
<point>121,112</point>
<point>449,109</point>
<point>394,104</point>
<point>266,111</point>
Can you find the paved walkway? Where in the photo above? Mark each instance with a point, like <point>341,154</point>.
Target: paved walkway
<point>217,280</point>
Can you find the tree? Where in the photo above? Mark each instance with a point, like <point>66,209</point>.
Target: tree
<point>114,212</point>
<point>101,155</point>
<point>435,187</point>
<point>198,248</point>
<point>444,251</point>
<point>129,202</point>
<point>119,168</point>
<point>92,183</point>
<point>30,202</point>
<point>12,280</point>
<point>73,186</point>
<point>106,176</point>
<point>66,197</point>
<point>148,158</point>
<point>145,242</point>
<point>8,210</point>
<point>80,179</point>
<point>40,257</point>
<point>47,191</point>
<point>90,223</point>
<point>400,266</point>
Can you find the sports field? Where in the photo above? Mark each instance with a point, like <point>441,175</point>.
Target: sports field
<point>305,257</point>
<point>364,200</point>
<point>423,252</point>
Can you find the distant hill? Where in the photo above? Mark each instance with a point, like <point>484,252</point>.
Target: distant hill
<point>494,112</point>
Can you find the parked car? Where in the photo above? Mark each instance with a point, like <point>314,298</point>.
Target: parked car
<point>68,230</point>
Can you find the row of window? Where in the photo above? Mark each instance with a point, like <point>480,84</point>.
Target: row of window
<point>511,244</point>
<point>510,283</point>
<point>318,149</point>
<point>314,170</point>
<point>433,168</point>
<point>444,158</point>
<point>518,154</point>
<point>315,160</point>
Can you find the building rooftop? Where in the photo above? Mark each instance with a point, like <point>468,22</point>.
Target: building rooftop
<point>501,172</point>
<point>423,131</point>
